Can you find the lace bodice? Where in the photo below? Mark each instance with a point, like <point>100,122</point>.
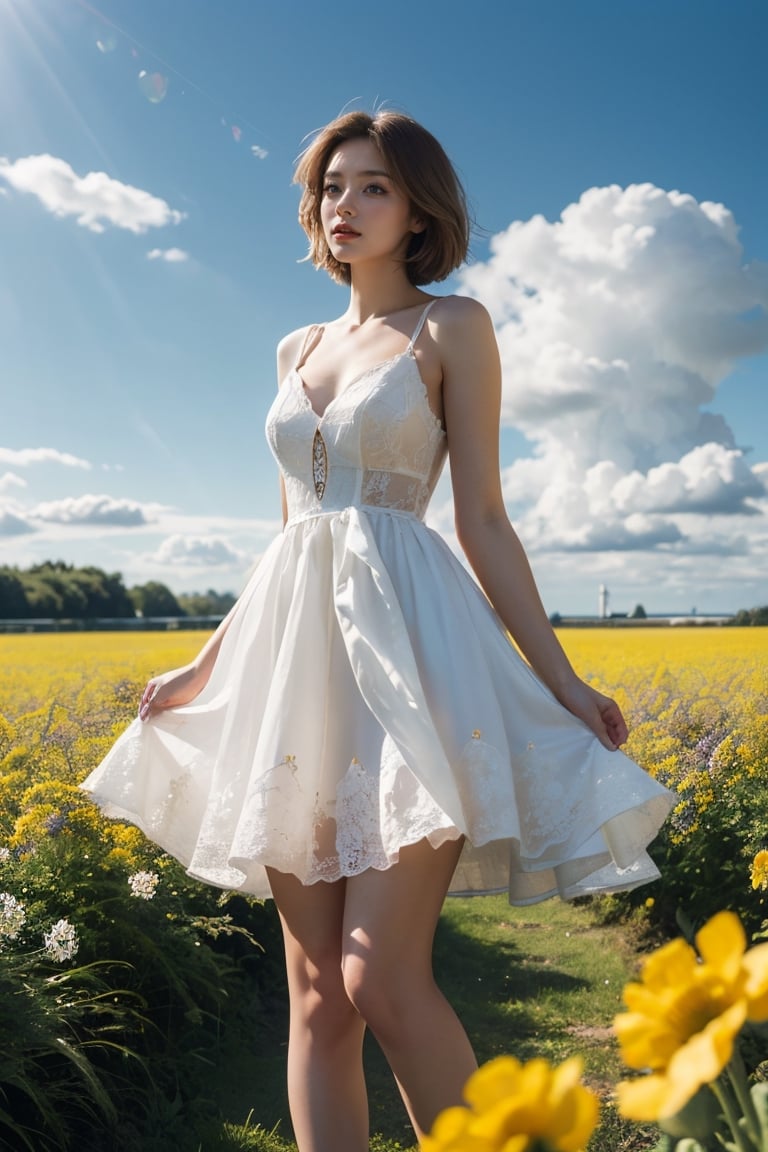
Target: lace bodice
<point>378,443</point>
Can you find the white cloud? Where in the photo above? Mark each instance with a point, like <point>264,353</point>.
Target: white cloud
<point>24,457</point>
<point>617,324</point>
<point>95,200</point>
<point>91,509</point>
<point>10,480</point>
<point>197,551</point>
<point>13,524</point>
<point>168,255</point>
<point>259,153</point>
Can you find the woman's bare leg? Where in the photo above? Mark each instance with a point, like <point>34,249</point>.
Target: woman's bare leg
<point>389,924</point>
<point>326,1089</point>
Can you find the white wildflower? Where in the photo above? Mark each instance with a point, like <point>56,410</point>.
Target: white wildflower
<point>61,943</point>
<point>5,854</point>
<point>144,884</point>
<point>12,916</point>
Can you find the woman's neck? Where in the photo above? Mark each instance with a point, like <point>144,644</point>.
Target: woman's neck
<point>376,295</point>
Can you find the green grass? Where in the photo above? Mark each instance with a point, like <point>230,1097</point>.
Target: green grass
<point>540,981</point>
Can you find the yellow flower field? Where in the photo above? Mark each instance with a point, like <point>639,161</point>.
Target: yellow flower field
<point>66,666</point>
<point>683,662</point>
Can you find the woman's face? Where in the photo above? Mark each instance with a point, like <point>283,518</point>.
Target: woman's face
<point>364,214</point>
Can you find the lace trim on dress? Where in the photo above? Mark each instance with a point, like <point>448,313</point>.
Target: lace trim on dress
<point>372,815</point>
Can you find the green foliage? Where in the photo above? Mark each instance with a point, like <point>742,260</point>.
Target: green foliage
<point>208,603</point>
<point>58,591</point>
<point>155,599</point>
<point>750,616</point>
<point>113,1046</point>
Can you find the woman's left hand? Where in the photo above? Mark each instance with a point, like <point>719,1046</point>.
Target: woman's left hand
<point>598,712</point>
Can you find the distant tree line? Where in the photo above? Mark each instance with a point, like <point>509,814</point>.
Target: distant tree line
<point>751,616</point>
<point>58,591</point>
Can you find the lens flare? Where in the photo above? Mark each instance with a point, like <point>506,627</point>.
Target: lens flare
<point>153,85</point>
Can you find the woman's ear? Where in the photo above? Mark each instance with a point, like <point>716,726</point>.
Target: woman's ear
<point>418,225</point>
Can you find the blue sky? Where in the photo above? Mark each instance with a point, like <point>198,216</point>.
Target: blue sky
<point>614,155</point>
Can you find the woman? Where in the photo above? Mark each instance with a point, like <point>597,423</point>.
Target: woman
<point>360,735</point>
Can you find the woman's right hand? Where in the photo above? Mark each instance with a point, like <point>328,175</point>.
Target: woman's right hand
<point>172,689</point>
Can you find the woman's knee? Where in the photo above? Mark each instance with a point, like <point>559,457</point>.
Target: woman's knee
<point>382,993</point>
<point>319,1000</point>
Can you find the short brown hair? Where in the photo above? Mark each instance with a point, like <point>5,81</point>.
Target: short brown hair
<point>419,166</point>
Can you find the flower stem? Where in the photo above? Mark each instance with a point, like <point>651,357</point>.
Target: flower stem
<point>744,1144</point>
<point>737,1074</point>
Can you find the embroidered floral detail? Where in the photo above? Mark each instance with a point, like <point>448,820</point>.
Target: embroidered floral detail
<point>357,815</point>
<point>319,463</point>
<point>477,734</point>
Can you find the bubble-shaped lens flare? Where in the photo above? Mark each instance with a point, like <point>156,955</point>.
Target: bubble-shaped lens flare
<point>153,85</point>
<point>106,43</point>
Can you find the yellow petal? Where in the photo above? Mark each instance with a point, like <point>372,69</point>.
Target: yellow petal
<point>566,1077</point>
<point>492,1082</point>
<point>651,1098</point>
<point>755,965</point>
<point>642,1099</point>
<point>645,1042</point>
<point>583,1123</point>
<point>722,943</point>
<point>703,1057</point>
<point>670,964</point>
<point>515,1144</point>
<point>448,1127</point>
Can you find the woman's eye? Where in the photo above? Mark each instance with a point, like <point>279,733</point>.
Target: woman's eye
<point>330,189</point>
<point>377,189</point>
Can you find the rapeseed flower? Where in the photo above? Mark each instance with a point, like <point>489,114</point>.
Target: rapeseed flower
<point>759,871</point>
<point>514,1107</point>
<point>685,1015</point>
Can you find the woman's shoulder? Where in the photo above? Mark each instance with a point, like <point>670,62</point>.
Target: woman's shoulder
<point>289,349</point>
<point>294,340</point>
<point>456,319</point>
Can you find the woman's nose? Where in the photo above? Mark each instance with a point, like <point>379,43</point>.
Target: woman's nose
<point>345,205</point>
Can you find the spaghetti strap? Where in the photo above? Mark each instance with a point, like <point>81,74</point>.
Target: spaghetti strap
<point>311,336</point>
<point>419,326</point>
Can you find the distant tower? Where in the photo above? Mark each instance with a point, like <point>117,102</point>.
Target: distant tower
<point>602,603</point>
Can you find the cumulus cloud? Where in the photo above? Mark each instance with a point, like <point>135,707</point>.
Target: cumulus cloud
<point>10,480</point>
<point>24,457</point>
<point>258,152</point>
<point>91,509</point>
<point>95,199</point>
<point>168,255</point>
<point>197,551</point>
<point>617,324</point>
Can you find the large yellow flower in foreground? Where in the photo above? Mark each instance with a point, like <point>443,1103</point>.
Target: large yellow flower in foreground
<point>514,1107</point>
<point>684,1017</point>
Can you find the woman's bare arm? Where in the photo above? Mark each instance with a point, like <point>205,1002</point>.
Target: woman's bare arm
<point>472,399</point>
